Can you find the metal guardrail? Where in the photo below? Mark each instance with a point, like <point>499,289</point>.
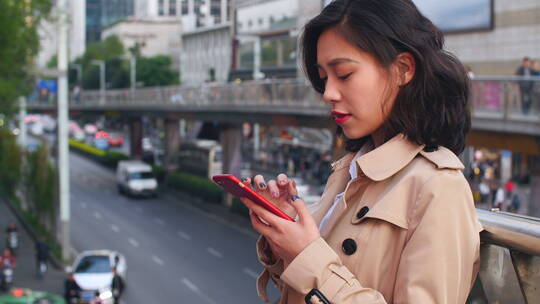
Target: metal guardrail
<point>510,259</point>
<point>493,98</point>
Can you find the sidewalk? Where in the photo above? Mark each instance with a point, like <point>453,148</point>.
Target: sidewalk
<point>25,276</point>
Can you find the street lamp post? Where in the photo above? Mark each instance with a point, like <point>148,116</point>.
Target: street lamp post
<point>101,64</point>
<point>132,71</point>
<point>78,68</point>
<point>63,162</point>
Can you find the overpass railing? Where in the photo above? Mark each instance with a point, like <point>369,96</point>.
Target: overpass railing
<point>510,259</point>
<point>500,97</point>
<point>285,93</point>
<point>506,97</point>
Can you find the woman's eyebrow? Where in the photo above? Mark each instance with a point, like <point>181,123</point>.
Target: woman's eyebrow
<point>337,61</point>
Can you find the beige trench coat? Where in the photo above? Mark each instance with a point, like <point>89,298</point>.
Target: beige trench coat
<point>406,233</point>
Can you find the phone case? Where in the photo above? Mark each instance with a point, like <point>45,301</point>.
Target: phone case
<point>235,187</point>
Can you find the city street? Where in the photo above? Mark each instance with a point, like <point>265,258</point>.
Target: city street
<point>173,250</point>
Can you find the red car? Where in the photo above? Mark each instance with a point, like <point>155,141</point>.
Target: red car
<point>115,140</point>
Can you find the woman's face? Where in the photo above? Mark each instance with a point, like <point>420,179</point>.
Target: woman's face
<point>357,87</point>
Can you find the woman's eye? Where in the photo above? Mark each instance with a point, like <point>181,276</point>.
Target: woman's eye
<point>344,77</point>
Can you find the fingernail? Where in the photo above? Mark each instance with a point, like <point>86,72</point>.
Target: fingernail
<point>262,185</point>
<point>294,197</point>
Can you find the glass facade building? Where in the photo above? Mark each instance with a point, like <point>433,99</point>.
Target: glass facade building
<point>102,13</point>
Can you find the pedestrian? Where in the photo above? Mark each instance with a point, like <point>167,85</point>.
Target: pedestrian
<point>499,198</point>
<point>396,222</point>
<point>515,204</point>
<point>535,66</point>
<point>509,188</point>
<point>117,286</point>
<point>42,256</point>
<point>71,289</point>
<point>525,84</point>
<point>484,191</point>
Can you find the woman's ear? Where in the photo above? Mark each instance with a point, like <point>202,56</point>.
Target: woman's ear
<point>406,67</point>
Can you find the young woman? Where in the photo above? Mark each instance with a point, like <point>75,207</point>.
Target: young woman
<point>396,222</point>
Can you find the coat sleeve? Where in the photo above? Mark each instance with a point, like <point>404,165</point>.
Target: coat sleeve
<point>436,265</point>
<point>273,268</point>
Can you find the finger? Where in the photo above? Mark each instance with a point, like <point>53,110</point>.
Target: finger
<point>265,215</point>
<point>273,187</point>
<point>246,181</point>
<point>292,188</point>
<point>300,206</point>
<point>260,184</point>
<point>259,225</point>
<point>282,180</point>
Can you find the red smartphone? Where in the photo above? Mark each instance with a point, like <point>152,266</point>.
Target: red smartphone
<point>235,187</point>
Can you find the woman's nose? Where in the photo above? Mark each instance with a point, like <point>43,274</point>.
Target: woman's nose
<point>331,93</point>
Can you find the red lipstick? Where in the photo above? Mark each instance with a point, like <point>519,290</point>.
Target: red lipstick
<point>340,118</point>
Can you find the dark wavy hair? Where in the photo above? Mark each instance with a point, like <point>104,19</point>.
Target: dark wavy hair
<point>432,109</point>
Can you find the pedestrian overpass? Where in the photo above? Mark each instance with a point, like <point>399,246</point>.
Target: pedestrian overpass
<point>498,119</point>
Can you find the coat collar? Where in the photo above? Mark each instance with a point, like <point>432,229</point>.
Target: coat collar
<point>398,152</point>
<point>387,159</point>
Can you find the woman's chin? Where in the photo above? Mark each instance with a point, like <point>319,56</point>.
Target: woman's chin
<point>354,134</point>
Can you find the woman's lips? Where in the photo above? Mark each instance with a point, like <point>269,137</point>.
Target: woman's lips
<point>340,118</point>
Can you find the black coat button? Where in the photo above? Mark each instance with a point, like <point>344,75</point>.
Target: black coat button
<point>362,212</point>
<point>349,246</point>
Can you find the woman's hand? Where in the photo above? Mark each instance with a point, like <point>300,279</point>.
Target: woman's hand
<point>287,239</point>
<point>275,191</point>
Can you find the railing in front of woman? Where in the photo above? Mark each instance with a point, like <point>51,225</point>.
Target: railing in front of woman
<point>510,259</point>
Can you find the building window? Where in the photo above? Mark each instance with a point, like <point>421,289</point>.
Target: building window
<point>271,20</point>
<point>161,8</point>
<point>184,8</point>
<point>250,24</point>
<point>261,21</point>
<point>172,7</point>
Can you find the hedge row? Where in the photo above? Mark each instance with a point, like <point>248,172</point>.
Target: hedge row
<point>185,182</point>
<point>195,185</point>
<point>107,158</point>
<point>202,187</point>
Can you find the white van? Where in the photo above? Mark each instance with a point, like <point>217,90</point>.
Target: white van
<point>135,178</point>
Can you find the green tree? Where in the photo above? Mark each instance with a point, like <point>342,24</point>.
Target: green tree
<point>156,71</point>
<point>111,51</point>
<point>10,163</point>
<point>41,186</point>
<point>19,43</point>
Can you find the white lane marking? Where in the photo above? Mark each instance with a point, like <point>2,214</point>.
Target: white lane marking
<point>214,252</point>
<point>158,260</point>
<point>250,272</point>
<point>133,242</point>
<point>139,210</point>
<point>214,217</point>
<point>159,221</point>
<point>196,290</point>
<point>184,235</point>
<point>115,228</point>
<point>190,285</point>
<point>84,205</point>
<point>98,215</point>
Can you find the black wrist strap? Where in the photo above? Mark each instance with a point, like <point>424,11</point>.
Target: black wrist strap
<point>317,293</point>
